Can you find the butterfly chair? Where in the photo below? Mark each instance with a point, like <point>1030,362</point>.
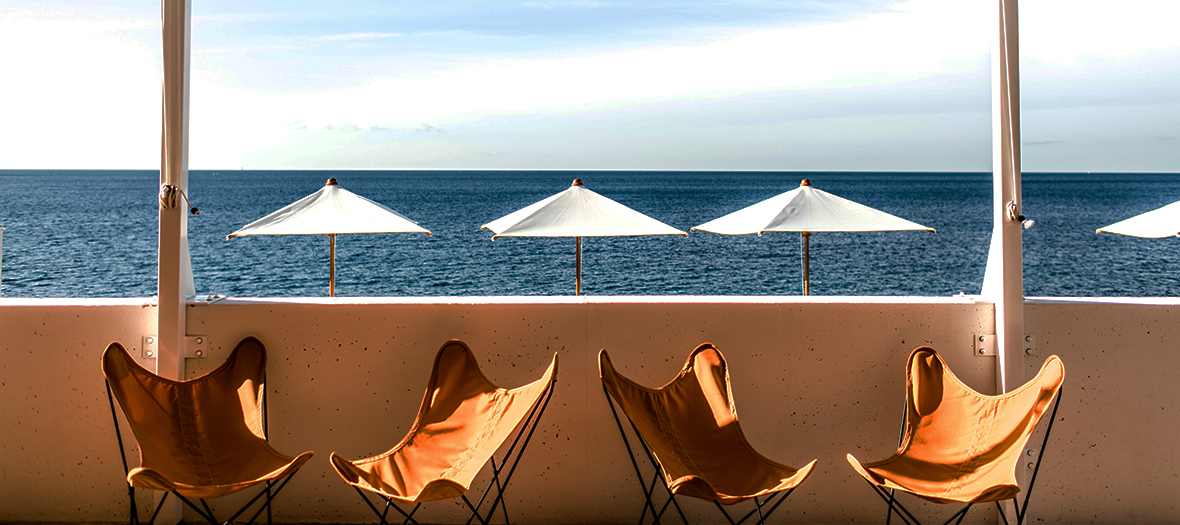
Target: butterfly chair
<point>688,429</point>
<point>960,446</point>
<point>463,420</point>
<point>203,438</point>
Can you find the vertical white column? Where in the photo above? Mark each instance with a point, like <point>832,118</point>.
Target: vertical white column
<point>175,268</point>
<point>1004,280</point>
<point>1007,284</point>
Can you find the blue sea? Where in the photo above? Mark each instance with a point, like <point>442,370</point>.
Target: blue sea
<point>93,233</point>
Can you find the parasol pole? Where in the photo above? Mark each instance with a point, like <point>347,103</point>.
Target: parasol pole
<point>806,252</point>
<point>806,262</point>
<point>332,265</point>
<point>578,266</point>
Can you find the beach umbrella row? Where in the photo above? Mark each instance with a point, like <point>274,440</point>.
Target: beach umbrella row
<point>807,210</point>
<point>331,211</point>
<point>1157,223</point>
<point>579,212</point>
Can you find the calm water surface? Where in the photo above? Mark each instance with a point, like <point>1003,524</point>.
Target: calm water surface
<point>72,233</point>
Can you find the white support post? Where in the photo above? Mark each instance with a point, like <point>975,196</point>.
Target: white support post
<point>1009,296</point>
<point>1003,281</point>
<point>175,268</point>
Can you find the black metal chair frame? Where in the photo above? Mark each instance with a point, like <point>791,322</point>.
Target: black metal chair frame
<point>649,489</point>
<point>512,455</point>
<point>1021,510</point>
<point>204,511</point>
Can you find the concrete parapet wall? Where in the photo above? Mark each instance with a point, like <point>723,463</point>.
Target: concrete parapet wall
<point>813,379</point>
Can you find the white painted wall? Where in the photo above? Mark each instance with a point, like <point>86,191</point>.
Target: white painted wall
<point>813,379</point>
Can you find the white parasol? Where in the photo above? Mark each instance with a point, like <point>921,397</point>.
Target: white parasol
<point>330,211</point>
<point>577,212</point>
<point>807,210</point>
<point>1160,222</point>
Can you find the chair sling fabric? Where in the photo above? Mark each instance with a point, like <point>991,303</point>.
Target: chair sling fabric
<point>201,438</point>
<point>689,430</point>
<point>960,446</point>
<point>463,420</point>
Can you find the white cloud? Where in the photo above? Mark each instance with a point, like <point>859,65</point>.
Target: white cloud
<point>1070,32</point>
<point>357,36</point>
<point>85,92</point>
<point>880,48</point>
<point>100,79</point>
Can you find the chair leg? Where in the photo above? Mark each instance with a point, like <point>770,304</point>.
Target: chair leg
<point>509,462</point>
<point>780,501</point>
<point>667,503</point>
<point>269,499</point>
<point>409,517</point>
<point>651,459</point>
<point>1022,511</point>
<point>385,513</point>
<point>649,494</point>
<point>1003,515</point>
<point>474,512</point>
<point>723,513</point>
<point>758,507</point>
<point>155,513</point>
<point>499,499</point>
<point>500,491</point>
<point>902,512</point>
<point>207,513</point>
<point>961,514</point>
<point>631,455</point>
<point>676,504</point>
<point>133,516</point>
<point>207,509</point>
<point>908,517</point>
<point>201,512</point>
<point>649,490</point>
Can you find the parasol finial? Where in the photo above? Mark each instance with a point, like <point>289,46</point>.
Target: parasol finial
<point>806,182</point>
<point>577,182</point>
<point>332,182</point>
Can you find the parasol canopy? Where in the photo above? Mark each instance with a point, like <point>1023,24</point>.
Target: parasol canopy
<point>330,211</point>
<point>1160,222</point>
<point>577,212</point>
<point>807,210</point>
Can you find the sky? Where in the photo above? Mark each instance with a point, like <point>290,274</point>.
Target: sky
<point>592,84</point>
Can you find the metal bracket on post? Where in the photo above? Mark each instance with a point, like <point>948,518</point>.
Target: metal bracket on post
<point>195,346</point>
<point>1030,345</point>
<point>985,345</point>
<point>1030,457</point>
<point>149,347</point>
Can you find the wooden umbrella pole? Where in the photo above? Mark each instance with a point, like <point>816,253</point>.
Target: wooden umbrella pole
<point>332,265</point>
<point>578,266</point>
<point>806,263</point>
